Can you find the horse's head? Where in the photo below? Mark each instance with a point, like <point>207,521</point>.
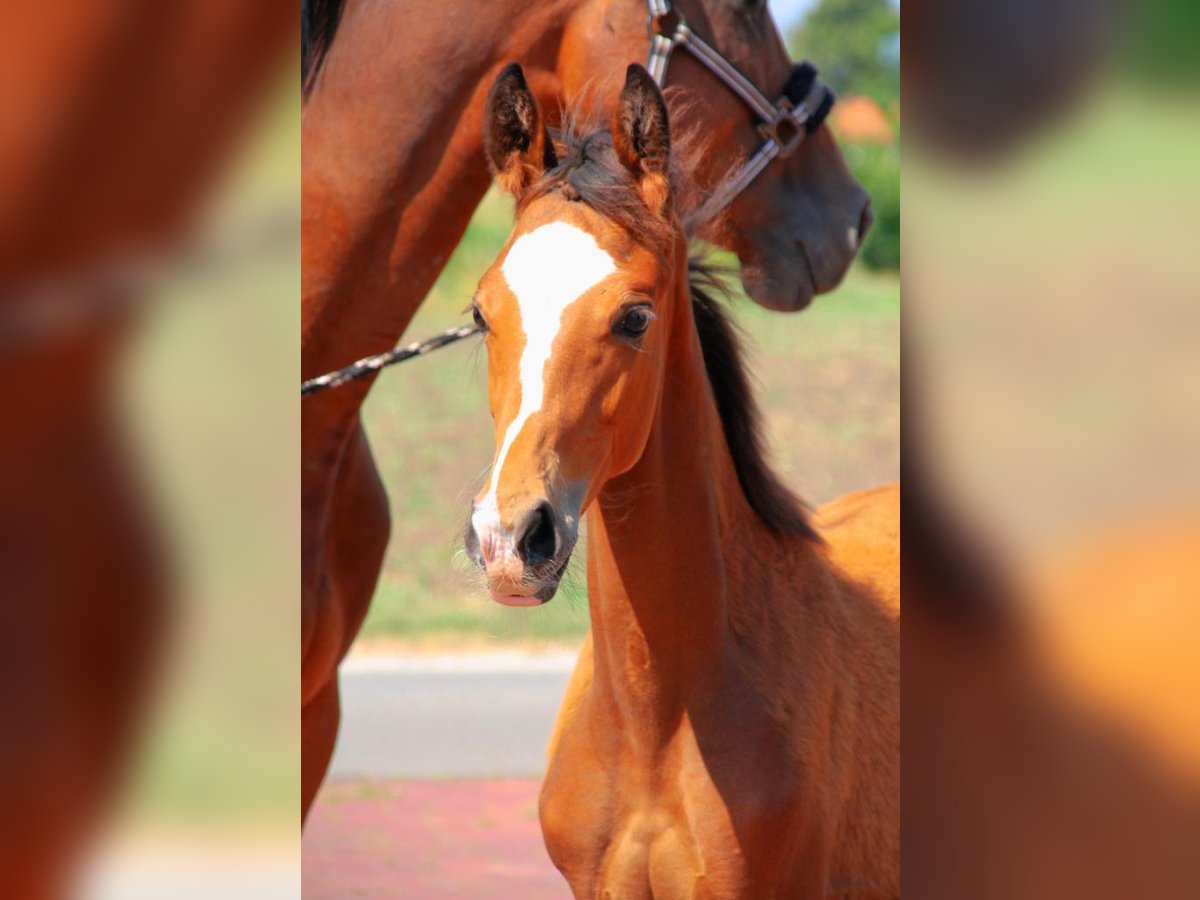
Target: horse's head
<point>798,225</point>
<point>577,309</point>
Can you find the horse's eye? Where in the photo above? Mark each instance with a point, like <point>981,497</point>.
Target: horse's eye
<point>633,322</point>
<point>480,322</point>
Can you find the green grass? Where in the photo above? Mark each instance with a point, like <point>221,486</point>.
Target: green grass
<point>829,384</point>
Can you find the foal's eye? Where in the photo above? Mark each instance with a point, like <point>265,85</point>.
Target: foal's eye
<point>633,322</point>
<point>480,322</point>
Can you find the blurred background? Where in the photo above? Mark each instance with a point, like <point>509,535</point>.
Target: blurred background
<point>1052,556</point>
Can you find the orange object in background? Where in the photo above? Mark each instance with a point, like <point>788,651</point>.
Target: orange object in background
<point>859,119</point>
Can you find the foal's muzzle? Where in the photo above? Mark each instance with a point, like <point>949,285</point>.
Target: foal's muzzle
<point>525,563</point>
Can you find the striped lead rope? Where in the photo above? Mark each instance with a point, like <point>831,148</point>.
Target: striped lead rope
<point>369,364</point>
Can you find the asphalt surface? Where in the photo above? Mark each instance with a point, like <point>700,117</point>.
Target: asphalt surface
<point>445,839</point>
<point>448,717</point>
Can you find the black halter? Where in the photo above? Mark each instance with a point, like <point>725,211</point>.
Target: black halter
<point>802,106</point>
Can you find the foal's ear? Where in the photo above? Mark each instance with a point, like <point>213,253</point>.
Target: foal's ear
<point>518,146</point>
<point>642,136</point>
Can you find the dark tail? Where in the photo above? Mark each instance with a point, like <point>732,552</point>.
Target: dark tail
<point>318,25</point>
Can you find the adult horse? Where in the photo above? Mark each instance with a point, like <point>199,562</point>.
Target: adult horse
<point>733,725</point>
<point>392,172</point>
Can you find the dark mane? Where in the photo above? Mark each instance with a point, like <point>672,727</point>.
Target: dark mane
<point>779,508</point>
<point>319,21</point>
<point>588,171</point>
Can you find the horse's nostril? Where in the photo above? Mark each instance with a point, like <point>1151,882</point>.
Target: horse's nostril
<point>537,540</point>
<point>865,220</point>
<point>471,544</point>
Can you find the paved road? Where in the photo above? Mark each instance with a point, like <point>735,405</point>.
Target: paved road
<point>436,717</point>
<point>432,840</point>
<point>434,784</point>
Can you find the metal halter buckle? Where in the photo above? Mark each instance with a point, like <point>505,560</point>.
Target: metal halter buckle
<point>668,24</point>
<point>784,130</point>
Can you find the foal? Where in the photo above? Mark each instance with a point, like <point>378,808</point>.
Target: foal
<point>732,728</point>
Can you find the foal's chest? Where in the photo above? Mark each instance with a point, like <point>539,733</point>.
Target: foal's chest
<point>620,828</point>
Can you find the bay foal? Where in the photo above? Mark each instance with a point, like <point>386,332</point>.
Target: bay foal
<point>732,728</point>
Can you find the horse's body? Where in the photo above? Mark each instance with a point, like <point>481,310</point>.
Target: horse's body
<point>744,764</point>
<point>732,728</point>
<point>392,172</point>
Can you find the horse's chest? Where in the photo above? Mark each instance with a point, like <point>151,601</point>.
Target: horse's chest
<point>620,829</point>
<point>654,852</point>
<point>646,848</point>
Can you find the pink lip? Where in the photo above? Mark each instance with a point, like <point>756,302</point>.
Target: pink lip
<point>515,599</point>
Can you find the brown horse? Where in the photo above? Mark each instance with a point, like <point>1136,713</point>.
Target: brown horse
<point>732,728</point>
<point>390,183</point>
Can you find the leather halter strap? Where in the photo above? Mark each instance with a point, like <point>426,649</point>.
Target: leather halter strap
<point>802,106</point>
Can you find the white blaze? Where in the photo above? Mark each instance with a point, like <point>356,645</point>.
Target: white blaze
<point>547,270</point>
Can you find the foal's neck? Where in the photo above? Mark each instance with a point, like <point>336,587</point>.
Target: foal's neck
<point>659,574</point>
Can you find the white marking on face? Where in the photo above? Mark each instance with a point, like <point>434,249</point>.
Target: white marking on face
<point>547,270</point>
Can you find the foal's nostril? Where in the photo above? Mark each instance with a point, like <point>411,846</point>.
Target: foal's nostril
<point>537,537</point>
<point>471,544</point>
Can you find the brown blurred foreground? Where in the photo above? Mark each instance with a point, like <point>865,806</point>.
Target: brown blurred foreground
<point>117,120</point>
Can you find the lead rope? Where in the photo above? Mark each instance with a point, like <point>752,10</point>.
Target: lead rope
<point>369,364</point>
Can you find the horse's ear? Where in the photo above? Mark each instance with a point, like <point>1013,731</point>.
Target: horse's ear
<point>518,146</point>
<point>642,136</point>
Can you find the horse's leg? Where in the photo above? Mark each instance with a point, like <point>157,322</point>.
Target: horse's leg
<point>318,731</point>
<point>356,538</point>
<point>359,527</point>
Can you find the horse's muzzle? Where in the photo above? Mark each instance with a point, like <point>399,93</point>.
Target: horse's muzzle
<point>523,565</point>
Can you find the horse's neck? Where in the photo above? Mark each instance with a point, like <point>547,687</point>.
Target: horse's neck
<point>393,170</point>
<point>659,571</point>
